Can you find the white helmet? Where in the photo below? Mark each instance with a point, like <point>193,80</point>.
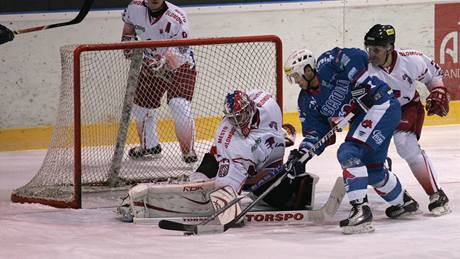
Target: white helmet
<point>296,63</point>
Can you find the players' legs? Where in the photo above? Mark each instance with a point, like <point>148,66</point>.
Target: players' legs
<point>180,94</point>
<point>184,125</point>
<point>388,186</point>
<point>147,98</point>
<point>146,129</point>
<point>408,148</point>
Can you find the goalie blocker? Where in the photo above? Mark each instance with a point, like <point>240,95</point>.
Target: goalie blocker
<point>192,199</point>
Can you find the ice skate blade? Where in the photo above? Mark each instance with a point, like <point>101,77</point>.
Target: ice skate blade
<point>358,229</point>
<point>148,157</point>
<point>440,211</point>
<point>407,214</point>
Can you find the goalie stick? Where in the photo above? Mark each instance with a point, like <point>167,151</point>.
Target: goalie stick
<point>80,16</point>
<point>204,227</point>
<point>274,217</point>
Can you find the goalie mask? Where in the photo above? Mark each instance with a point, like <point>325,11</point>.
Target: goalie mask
<point>239,110</point>
<point>296,62</point>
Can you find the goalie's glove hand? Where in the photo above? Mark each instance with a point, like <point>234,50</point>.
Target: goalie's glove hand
<point>5,34</point>
<point>128,52</point>
<point>361,101</point>
<point>438,102</point>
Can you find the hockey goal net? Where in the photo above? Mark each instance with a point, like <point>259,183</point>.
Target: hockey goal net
<point>94,129</point>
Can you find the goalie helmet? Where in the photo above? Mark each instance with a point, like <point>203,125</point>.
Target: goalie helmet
<point>380,35</point>
<point>296,63</point>
<point>239,110</point>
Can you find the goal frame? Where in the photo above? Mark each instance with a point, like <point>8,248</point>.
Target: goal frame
<point>76,203</point>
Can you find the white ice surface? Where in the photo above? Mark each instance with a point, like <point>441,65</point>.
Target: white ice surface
<point>37,231</point>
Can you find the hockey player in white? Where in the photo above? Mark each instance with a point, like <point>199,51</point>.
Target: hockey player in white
<point>248,145</point>
<point>401,69</point>
<point>170,70</point>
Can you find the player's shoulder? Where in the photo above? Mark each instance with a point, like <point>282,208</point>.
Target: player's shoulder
<point>259,97</point>
<point>409,54</point>
<point>176,13</point>
<point>136,4</point>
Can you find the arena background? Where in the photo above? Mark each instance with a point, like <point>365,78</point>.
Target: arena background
<point>30,65</point>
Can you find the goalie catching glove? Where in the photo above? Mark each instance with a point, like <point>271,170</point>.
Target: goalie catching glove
<point>438,102</point>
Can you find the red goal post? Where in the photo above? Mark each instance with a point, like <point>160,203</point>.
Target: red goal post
<point>89,148</point>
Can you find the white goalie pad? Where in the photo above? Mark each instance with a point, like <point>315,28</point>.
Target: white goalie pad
<point>220,198</point>
<point>150,200</point>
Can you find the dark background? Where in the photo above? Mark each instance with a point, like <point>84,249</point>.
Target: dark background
<point>24,6</point>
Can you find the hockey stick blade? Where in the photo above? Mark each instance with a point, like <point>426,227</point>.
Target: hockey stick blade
<point>80,16</point>
<point>253,218</point>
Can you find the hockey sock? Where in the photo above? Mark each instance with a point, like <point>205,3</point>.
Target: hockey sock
<point>146,126</point>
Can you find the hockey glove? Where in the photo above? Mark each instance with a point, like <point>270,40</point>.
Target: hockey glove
<point>128,52</point>
<point>361,101</point>
<point>5,34</point>
<point>438,102</point>
<point>298,168</point>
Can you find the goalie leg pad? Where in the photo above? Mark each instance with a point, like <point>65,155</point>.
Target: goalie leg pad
<point>150,200</point>
<point>220,198</point>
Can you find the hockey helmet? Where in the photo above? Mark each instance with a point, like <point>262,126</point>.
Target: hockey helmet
<point>296,63</point>
<point>239,110</point>
<point>380,35</point>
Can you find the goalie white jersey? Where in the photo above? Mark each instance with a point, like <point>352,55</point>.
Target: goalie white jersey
<point>173,24</point>
<point>241,157</point>
<point>408,66</point>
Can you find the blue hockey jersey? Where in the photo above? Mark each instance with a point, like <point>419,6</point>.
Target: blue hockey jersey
<point>339,70</point>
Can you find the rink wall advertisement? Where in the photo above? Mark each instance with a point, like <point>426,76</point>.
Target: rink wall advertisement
<point>447,45</point>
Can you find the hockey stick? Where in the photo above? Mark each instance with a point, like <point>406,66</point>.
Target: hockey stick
<point>202,227</point>
<point>81,15</point>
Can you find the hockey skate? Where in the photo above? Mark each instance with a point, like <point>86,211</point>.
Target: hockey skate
<point>359,220</point>
<point>190,158</point>
<point>409,207</point>
<point>439,203</point>
<point>145,153</point>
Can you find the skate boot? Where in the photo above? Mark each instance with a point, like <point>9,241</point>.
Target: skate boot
<point>190,158</point>
<point>359,220</point>
<point>439,203</point>
<point>144,153</point>
<point>409,207</point>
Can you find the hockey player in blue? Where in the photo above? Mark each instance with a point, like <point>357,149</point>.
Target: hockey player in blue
<point>343,85</point>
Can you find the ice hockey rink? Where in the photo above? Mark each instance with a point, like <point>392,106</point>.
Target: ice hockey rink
<point>37,231</point>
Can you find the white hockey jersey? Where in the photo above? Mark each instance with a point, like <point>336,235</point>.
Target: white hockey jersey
<point>173,24</point>
<point>264,146</point>
<point>408,66</point>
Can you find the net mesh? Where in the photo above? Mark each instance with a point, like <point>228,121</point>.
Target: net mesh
<point>183,101</point>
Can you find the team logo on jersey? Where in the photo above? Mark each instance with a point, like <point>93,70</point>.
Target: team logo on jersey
<point>270,142</point>
<point>367,124</point>
<point>139,28</point>
<point>273,125</point>
<point>256,144</point>
<point>223,170</point>
<point>407,78</point>
<point>378,137</point>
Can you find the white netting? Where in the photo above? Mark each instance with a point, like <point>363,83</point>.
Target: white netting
<point>104,75</point>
